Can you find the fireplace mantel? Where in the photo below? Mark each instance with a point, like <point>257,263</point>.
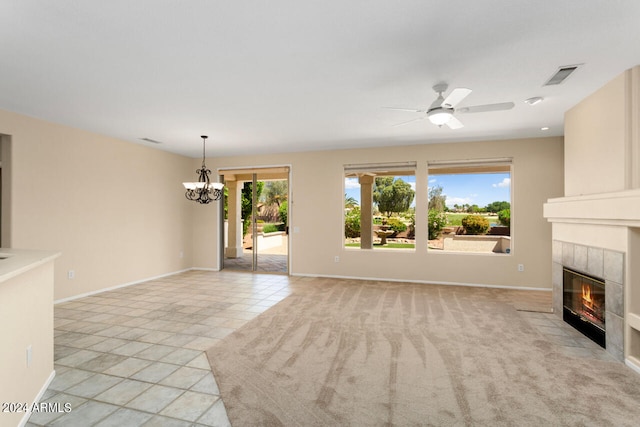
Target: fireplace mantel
<point>615,218</point>
<point>618,208</point>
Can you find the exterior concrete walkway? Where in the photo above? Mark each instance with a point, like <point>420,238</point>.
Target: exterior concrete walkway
<point>271,260</point>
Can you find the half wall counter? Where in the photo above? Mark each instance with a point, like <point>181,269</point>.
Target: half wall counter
<point>26,329</point>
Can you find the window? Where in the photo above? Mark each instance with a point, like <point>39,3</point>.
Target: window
<point>470,206</point>
<point>379,206</point>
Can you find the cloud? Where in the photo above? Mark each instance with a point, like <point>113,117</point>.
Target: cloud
<point>505,183</point>
<point>413,185</point>
<point>459,201</point>
<point>350,183</point>
<point>432,180</point>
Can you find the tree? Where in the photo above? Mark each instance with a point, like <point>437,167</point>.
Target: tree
<point>275,192</point>
<point>437,201</point>
<point>392,195</point>
<point>246,203</point>
<point>495,207</point>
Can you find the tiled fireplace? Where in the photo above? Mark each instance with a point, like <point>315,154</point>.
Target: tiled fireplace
<point>594,265</point>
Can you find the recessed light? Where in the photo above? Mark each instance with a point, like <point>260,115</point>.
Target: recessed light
<point>533,101</point>
<point>544,128</point>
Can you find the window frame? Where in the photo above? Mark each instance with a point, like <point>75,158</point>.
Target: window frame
<point>471,167</point>
<point>395,169</point>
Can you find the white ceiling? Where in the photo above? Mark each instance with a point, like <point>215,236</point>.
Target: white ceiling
<point>290,75</point>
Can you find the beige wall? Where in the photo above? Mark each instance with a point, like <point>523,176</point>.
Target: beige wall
<point>26,319</point>
<point>115,210</point>
<point>318,200</point>
<point>602,152</point>
<point>597,140</point>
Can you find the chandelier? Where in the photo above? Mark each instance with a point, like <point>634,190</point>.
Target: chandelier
<point>203,191</point>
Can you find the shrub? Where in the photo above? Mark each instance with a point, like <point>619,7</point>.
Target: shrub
<point>270,228</point>
<point>396,225</point>
<point>475,224</point>
<point>352,223</point>
<point>504,216</point>
<point>437,221</point>
<point>283,212</point>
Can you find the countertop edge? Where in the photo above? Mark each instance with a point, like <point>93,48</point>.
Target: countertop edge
<point>21,261</point>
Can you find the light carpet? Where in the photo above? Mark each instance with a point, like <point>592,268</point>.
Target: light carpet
<point>361,353</point>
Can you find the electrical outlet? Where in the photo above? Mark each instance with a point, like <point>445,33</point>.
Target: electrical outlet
<point>521,267</point>
<point>29,356</point>
<point>71,274</point>
<point>336,259</point>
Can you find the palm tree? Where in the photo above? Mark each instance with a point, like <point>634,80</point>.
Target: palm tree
<point>350,202</point>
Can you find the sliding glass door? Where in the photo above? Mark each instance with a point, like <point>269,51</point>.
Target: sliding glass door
<point>256,220</point>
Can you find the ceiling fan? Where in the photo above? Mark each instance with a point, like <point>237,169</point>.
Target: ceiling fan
<point>442,110</point>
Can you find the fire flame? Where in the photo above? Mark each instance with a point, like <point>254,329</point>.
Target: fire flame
<point>586,293</point>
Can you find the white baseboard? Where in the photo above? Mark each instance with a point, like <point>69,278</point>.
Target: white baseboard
<point>43,389</point>
<point>99,291</point>
<point>426,282</point>
<point>633,363</point>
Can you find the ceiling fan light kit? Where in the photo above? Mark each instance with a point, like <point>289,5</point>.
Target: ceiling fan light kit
<point>439,116</point>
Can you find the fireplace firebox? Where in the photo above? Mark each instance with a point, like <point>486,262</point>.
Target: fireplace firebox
<point>584,304</point>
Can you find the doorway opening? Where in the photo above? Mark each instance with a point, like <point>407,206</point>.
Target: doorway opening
<point>256,220</point>
<point>5,191</point>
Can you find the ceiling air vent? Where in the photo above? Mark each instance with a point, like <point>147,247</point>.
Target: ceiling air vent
<point>153,141</point>
<point>561,75</point>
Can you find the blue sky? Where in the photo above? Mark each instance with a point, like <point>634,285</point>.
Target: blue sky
<point>472,189</point>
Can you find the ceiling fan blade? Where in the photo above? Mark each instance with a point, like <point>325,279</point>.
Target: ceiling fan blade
<point>455,97</point>
<point>410,121</point>
<point>454,123</point>
<point>413,110</point>
<point>486,108</point>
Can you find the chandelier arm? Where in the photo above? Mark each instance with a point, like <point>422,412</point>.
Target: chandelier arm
<point>203,191</point>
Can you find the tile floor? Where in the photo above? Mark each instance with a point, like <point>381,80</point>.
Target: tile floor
<point>567,339</point>
<point>134,356</point>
